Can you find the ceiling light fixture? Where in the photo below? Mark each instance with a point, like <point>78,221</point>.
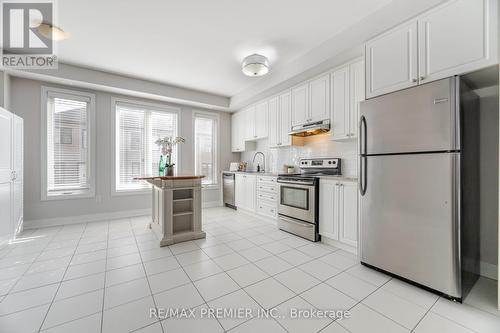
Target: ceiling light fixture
<point>255,65</point>
<point>52,32</point>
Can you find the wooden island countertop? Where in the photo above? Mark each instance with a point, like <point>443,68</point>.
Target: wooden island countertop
<point>181,177</point>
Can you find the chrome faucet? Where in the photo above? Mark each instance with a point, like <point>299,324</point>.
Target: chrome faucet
<point>263,161</point>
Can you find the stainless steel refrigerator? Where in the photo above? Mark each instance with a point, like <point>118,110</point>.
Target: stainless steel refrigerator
<point>419,185</point>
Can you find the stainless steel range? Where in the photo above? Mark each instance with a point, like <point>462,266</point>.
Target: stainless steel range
<point>298,206</point>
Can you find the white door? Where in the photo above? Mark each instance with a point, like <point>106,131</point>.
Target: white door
<point>274,124</point>
<point>261,120</point>
<point>239,191</point>
<point>327,221</point>
<point>357,94</point>
<point>17,195</point>
<point>391,60</point>
<point>248,123</point>
<point>340,104</point>
<point>348,214</point>
<point>456,38</point>
<point>285,119</point>
<point>300,105</point>
<point>5,173</point>
<point>319,97</point>
<point>250,192</point>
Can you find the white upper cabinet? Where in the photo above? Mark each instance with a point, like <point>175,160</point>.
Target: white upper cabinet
<point>237,137</point>
<point>340,103</point>
<point>274,122</point>
<point>391,60</point>
<point>456,38</point>
<point>311,101</point>
<point>357,94</point>
<point>249,123</point>
<point>261,122</point>
<point>285,120</point>
<point>300,104</point>
<point>319,96</point>
<point>348,91</point>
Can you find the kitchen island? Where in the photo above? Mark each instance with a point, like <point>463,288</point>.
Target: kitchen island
<point>176,208</point>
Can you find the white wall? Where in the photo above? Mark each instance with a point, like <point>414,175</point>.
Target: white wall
<point>489,179</point>
<point>26,102</point>
<point>313,146</point>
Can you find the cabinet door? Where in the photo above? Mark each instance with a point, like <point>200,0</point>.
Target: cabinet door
<point>348,213</point>
<point>237,132</point>
<point>319,97</point>
<point>285,119</point>
<point>250,192</point>
<point>300,105</point>
<point>328,226</point>
<point>248,124</point>
<point>6,173</point>
<point>340,104</point>
<point>261,120</point>
<point>456,38</point>
<point>239,191</point>
<point>17,188</point>
<point>391,60</point>
<point>274,124</point>
<point>357,94</point>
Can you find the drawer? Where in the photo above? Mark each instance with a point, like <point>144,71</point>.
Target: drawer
<point>267,196</point>
<point>266,209</point>
<point>264,187</point>
<point>267,179</point>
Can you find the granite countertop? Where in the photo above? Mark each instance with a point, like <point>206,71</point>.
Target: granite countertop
<point>180,177</point>
<point>342,178</point>
<point>259,173</point>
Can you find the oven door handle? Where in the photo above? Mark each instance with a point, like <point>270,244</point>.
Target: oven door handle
<point>296,183</point>
<point>304,224</point>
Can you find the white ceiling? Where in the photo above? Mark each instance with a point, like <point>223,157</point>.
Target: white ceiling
<point>199,44</point>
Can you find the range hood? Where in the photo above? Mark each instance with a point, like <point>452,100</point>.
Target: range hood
<point>311,128</point>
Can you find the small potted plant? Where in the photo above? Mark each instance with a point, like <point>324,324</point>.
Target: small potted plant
<point>166,167</point>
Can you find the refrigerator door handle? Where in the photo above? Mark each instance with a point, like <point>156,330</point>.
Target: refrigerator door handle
<point>363,174</point>
<point>362,135</point>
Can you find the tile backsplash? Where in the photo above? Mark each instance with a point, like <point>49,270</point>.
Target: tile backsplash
<point>313,147</point>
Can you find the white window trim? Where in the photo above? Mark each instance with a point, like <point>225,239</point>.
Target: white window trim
<point>215,116</point>
<point>153,106</point>
<point>66,93</point>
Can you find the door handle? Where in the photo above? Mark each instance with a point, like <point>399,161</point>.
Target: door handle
<point>363,160</point>
<point>362,135</point>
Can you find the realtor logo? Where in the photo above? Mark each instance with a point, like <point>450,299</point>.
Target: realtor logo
<point>26,44</point>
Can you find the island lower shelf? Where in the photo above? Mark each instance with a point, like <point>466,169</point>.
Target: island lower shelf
<point>176,210</point>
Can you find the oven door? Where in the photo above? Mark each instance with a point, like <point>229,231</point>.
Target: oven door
<point>297,201</point>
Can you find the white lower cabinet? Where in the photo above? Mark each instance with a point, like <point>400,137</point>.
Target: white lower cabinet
<point>338,211</point>
<point>245,191</point>
<point>257,194</point>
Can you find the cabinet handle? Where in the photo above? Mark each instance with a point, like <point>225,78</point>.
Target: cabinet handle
<point>414,80</point>
<point>422,78</point>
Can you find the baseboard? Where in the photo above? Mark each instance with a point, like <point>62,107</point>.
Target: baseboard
<point>41,223</point>
<point>340,245</point>
<point>210,204</point>
<point>488,270</point>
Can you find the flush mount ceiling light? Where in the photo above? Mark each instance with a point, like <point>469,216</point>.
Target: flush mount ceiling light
<point>52,32</point>
<point>255,65</point>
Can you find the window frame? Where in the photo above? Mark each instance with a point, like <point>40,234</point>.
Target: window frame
<point>46,92</point>
<point>216,117</point>
<point>113,131</point>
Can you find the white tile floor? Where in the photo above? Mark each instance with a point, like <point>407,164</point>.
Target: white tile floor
<point>105,276</point>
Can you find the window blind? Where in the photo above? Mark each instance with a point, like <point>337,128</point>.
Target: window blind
<point>205,133</point>
<point>67,146</point>
<point>137,128</point>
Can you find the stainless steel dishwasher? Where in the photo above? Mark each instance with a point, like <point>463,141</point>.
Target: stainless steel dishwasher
<point>228,189</point>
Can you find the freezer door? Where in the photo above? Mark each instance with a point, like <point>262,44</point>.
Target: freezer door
<point>409,218</point>
<point>419,119</point>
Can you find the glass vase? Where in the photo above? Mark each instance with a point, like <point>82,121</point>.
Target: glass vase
<point>161,166</point>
